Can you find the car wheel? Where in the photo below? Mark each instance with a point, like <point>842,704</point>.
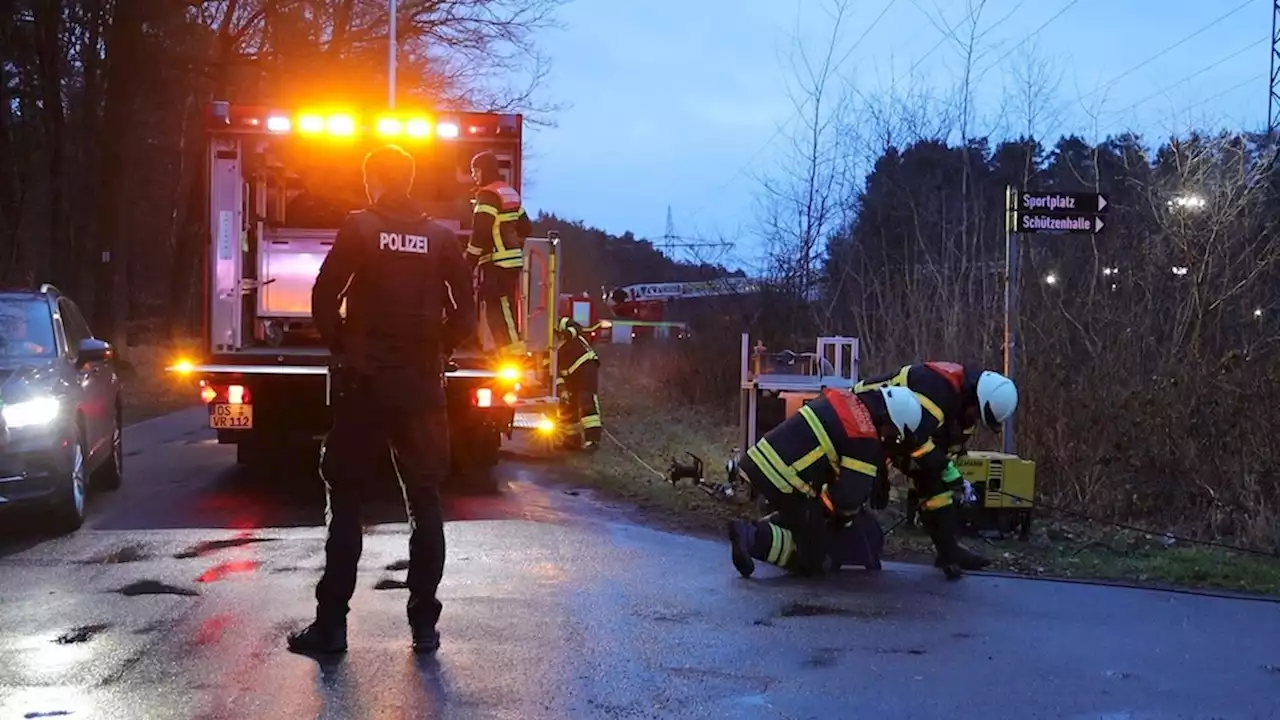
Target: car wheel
<point>72,498</point>
<point>111,473</point>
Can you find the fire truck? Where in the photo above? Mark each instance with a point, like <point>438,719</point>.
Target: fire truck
<point>640,311</point>
<point>280,182</point>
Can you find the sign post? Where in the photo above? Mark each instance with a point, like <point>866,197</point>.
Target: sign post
<point>1038,213</point>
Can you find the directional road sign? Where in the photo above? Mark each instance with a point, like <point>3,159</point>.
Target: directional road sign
<point>1046,202</point>
<point>1071,224</point>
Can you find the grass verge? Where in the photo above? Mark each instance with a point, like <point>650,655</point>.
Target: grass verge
<point>647,429</point>
<point>149,391</point>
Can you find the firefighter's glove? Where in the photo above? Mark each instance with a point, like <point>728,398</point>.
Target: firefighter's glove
<point>951,474</point>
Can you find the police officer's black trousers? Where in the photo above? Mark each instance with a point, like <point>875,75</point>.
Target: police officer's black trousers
<point>498,291</point>
<point>584,401</point>
<point>364,430</point>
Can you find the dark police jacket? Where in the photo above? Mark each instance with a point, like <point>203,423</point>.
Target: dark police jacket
<point>408,295</point>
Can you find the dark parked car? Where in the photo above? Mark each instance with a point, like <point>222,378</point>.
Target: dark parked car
<point>59,407</point>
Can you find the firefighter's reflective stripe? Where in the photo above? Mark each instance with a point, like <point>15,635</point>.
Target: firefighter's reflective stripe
<point>899,380</point>
<point>783,476</point>
<point>509,318</point>
<point>859,466</point>
<point>593,420</point>
<point>827,447</point>
<point>940,500</point>
<point>923,450</point>
<point>929,405</point>
<point>583,358</point>
<point>781,546</point>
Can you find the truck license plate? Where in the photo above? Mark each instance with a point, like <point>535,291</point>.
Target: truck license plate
<point>225,416</point>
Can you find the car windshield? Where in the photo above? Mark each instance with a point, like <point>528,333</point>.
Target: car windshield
<point>26,328</point>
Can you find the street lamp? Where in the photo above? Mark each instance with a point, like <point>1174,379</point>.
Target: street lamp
<point>1188,202</point>
<point>1179,269</point>
<point>1110,271</point>
<point>1051,279</point>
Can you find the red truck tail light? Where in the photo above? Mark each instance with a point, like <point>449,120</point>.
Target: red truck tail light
<point>207,393</point>
<point>484,397</point>
<point>510,399</point>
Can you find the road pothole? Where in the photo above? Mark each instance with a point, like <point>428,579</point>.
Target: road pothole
<point>154,587</point>
<point>398,565</point>
<point>391,584</point>
<point>84,633</point>
<point>210,546</point>
<point>126,554</point>
<point>813,610</point>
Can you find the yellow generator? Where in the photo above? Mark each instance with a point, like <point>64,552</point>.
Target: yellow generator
<point>1005,486</point>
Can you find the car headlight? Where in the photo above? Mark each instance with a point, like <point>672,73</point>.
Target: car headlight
<point>40,411</point>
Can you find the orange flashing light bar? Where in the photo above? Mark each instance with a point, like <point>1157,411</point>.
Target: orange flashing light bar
<point>335,123</point>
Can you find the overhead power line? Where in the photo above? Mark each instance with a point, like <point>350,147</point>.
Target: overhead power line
<point>1192,76</point>
<point>1168,49</point>
<point>1029,36</point>
<point>778,131</point>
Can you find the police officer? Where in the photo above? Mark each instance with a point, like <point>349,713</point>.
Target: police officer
<point>578,368</point>
<point>816,470</point>
<point>957,399</point>
<point>400,273</point>
<point>499,227</point>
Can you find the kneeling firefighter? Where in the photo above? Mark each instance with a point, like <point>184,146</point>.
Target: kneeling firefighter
<point>578,370</point>
<point>817,469</point>
<point>957,399</point>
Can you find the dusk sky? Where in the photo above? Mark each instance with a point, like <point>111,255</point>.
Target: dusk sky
<point>679,102</point>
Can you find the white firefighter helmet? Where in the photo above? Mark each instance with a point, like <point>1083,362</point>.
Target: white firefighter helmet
<point>904,410</point>
<point>997,398</point>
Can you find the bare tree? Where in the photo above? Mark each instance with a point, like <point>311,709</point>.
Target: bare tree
<point>806,201</point>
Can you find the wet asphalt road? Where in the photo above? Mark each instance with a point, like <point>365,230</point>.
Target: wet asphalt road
<point>174,600</point>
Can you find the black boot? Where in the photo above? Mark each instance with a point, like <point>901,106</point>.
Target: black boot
<point>319,639</point>
<point>425,640</point>
<point>741,536</point>
<point>943,525</point>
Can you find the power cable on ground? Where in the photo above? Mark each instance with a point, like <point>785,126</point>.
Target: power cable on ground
<point>634,456</point>
<point>1032,504</point>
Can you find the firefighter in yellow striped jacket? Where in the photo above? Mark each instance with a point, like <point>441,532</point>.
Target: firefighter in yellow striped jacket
<point>817,470</point>
<point>957,399</point>
<point>578,370</point>
<point>499,226</point>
